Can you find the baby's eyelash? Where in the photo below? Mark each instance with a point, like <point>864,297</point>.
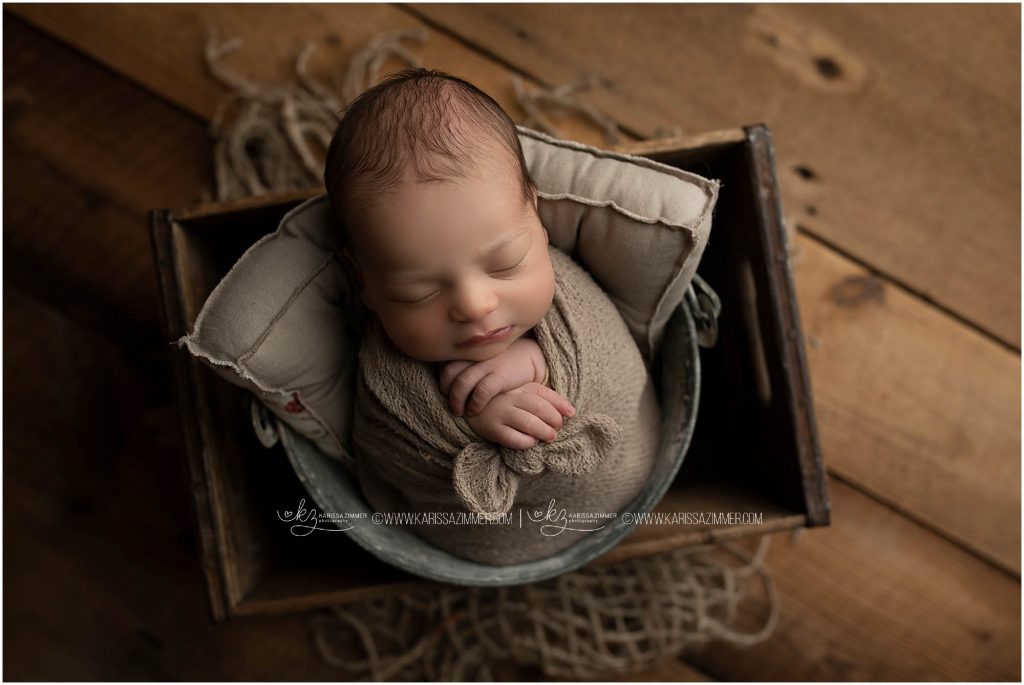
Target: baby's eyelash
<point>419,301</point>
<point>507,272</point>
<point>511,270</point>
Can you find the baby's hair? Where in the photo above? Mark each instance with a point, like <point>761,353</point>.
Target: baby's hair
<point>435,121</point>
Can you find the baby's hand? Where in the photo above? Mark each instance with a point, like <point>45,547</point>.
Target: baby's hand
<point>522,363</point>
<point>518,418</point>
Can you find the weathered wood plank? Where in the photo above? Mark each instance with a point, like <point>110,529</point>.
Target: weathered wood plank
<point>101,576</point>
<point>894,141</point>
<point>87,156</point>
<point>161,46</point>
<point>912,407</point>
<point>876,597</point>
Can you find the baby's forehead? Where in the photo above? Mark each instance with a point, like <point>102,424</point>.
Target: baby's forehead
<point>490,164</point>
<point>407,237</point>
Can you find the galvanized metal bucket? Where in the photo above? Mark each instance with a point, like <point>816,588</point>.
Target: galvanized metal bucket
<point>676,370</point>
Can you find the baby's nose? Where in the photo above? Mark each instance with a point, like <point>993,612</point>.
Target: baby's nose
<point>471,304</point>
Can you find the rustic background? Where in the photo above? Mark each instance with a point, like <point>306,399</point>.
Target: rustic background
<point>897,131</point>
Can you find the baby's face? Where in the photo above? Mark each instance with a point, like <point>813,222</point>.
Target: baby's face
<point>443,263</point>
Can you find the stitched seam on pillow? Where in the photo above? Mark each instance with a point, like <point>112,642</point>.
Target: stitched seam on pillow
<point>198,351</point>
<point>682,174</point>
<point>708,186</point>
<point>621,210</point>
<point>214,295</point>
<point>284,309</point>
<point>190,340</point>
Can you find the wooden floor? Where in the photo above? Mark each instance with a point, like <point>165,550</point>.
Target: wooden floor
<point>897,132</point>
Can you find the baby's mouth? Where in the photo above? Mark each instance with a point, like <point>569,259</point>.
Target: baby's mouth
<point>492,336</point>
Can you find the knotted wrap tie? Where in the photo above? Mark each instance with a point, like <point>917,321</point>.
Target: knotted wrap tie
<point>486,475</point>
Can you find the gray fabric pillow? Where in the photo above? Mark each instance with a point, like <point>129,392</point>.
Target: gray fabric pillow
<point>278,323</point>
<point>638,226</point>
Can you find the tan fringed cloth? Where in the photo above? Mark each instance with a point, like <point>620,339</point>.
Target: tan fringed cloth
<point>414,456</point>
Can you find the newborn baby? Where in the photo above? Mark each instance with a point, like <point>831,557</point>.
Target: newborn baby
<point>452,258</point>
<point>439,217</point>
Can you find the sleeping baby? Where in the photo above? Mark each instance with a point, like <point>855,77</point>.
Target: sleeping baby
<point>495,377</point>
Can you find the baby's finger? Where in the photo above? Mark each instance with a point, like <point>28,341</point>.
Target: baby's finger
<point>462,386</point>
<point>563,405</point>
<point>530,424</point>
<point>514,440</point>
<point>539,407</point>
<point>485,391</point>
<point>449,372</point>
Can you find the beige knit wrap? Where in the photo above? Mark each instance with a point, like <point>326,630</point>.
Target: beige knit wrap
<point>413,455</point>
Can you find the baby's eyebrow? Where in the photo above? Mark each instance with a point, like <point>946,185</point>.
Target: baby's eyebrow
<point>413,276</point>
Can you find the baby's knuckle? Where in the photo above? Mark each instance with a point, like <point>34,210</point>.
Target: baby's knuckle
<point>494,380</point>
<point>510,438</point>
<point>538,404</point>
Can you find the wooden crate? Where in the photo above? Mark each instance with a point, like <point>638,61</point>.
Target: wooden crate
<point>755,448</point>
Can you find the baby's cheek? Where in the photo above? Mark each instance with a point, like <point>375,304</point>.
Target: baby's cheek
<point>417,336</point>
<point>544,293</point>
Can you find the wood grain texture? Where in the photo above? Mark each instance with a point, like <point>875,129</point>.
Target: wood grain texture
<point>160,46</point>
<point>101,576</point>
<point>87,155</point>
<point>911,141</point>
<point>876,597</point>
<point>913,407</point>
<point>881,581</point>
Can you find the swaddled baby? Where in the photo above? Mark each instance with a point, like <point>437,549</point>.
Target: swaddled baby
<point>479,335</point>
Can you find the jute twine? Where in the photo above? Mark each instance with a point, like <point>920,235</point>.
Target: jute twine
<point>602,620</point>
